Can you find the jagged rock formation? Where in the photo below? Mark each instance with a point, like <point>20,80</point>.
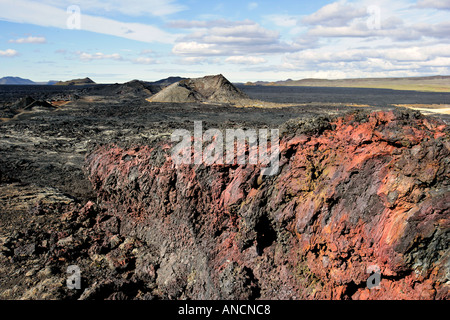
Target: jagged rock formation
<point>207,89</point>
<point>353,192</point>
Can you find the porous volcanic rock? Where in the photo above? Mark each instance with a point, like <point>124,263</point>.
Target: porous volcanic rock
<point>206,89</point>
<point>355,192</point>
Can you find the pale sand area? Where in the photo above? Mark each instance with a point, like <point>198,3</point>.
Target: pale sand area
<point>424,108</point>
<point>427,108</point>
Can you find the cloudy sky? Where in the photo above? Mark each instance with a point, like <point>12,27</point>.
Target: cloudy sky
<point>246,40</point>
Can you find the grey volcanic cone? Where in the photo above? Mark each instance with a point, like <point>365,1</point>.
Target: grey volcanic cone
<point>207,89</point>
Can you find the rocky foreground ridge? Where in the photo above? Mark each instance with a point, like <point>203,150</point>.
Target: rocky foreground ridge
<point>353,192</point>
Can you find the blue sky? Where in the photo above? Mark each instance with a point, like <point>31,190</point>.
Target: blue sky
<point>117,41</point>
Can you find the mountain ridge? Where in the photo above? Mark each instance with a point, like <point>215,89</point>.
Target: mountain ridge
<point>15,80</point>
<point>83,81</point>
<point>435,83</point>
<point>438,83</point>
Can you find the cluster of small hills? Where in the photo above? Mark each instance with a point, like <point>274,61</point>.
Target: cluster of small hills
<point>430,83</point>
<point>21,81</point>
<point>210,89</point>
<point>74,82</point>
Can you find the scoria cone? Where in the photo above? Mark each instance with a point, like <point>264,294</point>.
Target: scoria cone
<point>206,89</point>
<point>354,192</point>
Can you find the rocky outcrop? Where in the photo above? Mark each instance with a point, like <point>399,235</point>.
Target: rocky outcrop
<point>207,89</point>
<point>28,103</point>
<point>352,193</point>
<point>75,82</point>
<point>25,105</point>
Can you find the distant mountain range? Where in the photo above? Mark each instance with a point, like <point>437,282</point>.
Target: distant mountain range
<point>22,81</point>
<point>15,80</point>
<point>75,82</point>
<point>431,83</point>
<point>83,81</point>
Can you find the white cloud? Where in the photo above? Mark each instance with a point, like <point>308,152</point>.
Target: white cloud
<point>345,31</point>
<point>29,39</point>
<point>396,21</point>
<point>245,60</point>
<point>8,53</point>
<point>245,31</point>
<point>192,60</point>
<point>195,48</point>
<point>252,5</point>
<point>434,4</point>
<point>144,60</point>
<point>392,28</point>
<point>191,24</point>
<point>234,39</point>
<point>438,30</point>
<point>438,62</point>
<point>129,7</point>
<point>25,11</point>
<point>370,61</point>
<point>87,57</point>
<point>336,40</point>
<point>283,20</point>
<point>84,56</point>
<point>335,14</point>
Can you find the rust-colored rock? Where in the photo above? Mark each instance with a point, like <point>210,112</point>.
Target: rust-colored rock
<point>355,192</point>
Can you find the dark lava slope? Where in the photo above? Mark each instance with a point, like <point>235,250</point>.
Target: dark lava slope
<point>214,89</point>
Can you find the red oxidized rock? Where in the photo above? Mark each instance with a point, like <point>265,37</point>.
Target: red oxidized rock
<point>354,194</point>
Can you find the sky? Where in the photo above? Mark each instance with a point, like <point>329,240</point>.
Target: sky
<point>245,40</point>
